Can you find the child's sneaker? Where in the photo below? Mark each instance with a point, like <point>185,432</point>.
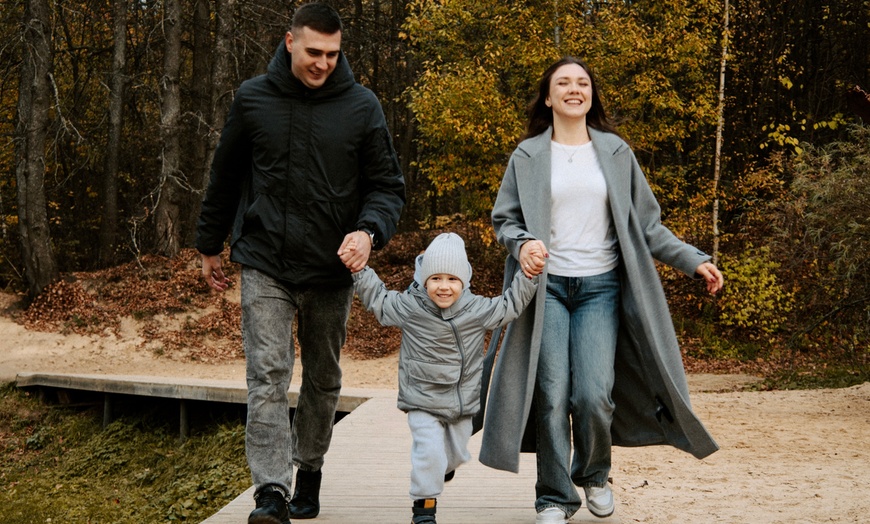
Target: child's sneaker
<point>424,511</point>
<point>599,501</point>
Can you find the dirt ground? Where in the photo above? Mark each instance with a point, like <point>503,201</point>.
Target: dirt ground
<point>786,456</point>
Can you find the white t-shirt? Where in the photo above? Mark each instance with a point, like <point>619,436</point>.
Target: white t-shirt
<point>582,240</point>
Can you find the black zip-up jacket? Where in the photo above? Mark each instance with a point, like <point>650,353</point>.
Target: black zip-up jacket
<point>295,170</point>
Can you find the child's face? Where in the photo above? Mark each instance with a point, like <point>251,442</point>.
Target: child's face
<point>443,289</point>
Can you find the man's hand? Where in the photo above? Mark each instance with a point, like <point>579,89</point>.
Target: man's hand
<point>355,250</point>
<point>214,275</point>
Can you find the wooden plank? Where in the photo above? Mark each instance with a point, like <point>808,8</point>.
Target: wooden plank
<point>367,471</point>
<point>367,475</point>
<point>229,391</point>
<point>166,387</point>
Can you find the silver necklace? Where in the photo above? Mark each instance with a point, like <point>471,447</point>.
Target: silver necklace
<point>571,156</point>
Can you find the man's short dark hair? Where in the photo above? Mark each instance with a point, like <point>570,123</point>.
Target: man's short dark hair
<point>317,16</point>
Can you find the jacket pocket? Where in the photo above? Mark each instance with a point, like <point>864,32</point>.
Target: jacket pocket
<point>432,386</point>
<point>435,373</point>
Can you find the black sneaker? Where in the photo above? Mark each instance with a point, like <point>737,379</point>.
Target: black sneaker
<point>449,475</point>
<point>305,503</point>
<point>271,507</point>
<point>424,511</point>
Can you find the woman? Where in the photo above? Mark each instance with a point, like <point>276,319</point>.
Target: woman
<point>596,356</point>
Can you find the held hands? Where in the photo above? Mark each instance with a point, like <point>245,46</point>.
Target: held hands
<point>213,274</point>
<point>712,276</point>
<point>533,255</point>
<point>355,250</point>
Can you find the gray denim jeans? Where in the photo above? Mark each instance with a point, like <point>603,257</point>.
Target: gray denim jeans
<point>268,311</point>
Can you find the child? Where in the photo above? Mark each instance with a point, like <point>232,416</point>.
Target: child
<point>440,361</point>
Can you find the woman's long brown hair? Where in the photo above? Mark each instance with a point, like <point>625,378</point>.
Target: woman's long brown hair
<point>541,117</point>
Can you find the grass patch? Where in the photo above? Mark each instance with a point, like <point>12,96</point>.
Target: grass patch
<point>816,377</point>
<point>782,366</point>
<point>60,465</point>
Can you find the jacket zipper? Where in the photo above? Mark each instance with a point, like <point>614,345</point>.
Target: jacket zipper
<point>461,366</point>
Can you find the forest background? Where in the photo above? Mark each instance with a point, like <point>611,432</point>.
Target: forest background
<point>747,116</point>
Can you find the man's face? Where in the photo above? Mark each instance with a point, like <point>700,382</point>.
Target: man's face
<point>314,55</point>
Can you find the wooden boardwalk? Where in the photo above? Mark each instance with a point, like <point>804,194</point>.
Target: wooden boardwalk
<point>367,475</point>
<point>367,472</point>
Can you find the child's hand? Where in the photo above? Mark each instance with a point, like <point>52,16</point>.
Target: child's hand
<point>355,250</point>
<point>348,247</point>
<point>533,255</point>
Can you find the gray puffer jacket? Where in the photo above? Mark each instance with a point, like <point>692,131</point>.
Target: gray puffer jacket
<point>441,354</point>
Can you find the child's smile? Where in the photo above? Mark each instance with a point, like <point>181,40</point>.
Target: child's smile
<point>443,289</point>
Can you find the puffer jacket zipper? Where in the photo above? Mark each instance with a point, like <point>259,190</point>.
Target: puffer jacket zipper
<point>461,366</point>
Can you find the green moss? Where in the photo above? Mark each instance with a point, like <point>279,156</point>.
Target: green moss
<point>63,467</point>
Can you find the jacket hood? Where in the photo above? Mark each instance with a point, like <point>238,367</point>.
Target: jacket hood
<point>280,73</point>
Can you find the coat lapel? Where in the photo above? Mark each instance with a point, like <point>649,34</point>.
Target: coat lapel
<point>533,186</point>
<point>615,165</point>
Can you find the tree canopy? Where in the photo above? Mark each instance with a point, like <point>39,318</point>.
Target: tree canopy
<point>454,76</point>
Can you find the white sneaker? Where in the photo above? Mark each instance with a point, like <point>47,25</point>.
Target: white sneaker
<point>599,501</point>
<point>551,515</point>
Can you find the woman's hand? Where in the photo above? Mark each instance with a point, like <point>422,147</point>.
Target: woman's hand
<point>533,255</point>
<point>712,276</point>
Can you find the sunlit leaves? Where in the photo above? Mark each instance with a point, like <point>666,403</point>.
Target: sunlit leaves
<point>656,67</point>
<point>754,299</point>
<point>469,125</point>
<point>481,62</point>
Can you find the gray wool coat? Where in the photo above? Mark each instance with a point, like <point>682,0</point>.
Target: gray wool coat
<point>650,392</point>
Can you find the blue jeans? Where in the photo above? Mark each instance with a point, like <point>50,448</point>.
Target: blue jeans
<point>268,310</point>
<point>573,388</point>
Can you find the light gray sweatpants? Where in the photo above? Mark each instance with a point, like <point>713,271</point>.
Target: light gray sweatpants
<point>438,447</point>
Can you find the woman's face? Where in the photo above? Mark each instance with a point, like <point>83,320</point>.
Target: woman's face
<point>570,93</point>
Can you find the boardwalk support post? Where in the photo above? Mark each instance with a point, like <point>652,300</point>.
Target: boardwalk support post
<point>107,409</point>
<point>183,421</point>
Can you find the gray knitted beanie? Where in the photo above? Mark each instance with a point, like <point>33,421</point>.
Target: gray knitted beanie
<point>446,254</point>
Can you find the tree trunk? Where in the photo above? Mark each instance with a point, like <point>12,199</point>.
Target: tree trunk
<point>118,84</point>
<point>170,193</point>
<point>199,131</point>
<point>222,69</point>
<point>719,125</point>
<point>31,131</point>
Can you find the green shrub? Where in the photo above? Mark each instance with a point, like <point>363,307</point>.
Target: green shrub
<point>821,234</point>
<point>753,300</point>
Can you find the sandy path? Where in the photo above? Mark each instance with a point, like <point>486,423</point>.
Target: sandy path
<point>787,456</point>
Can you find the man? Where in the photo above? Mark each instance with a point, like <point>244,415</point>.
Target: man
<point>304,167</point>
